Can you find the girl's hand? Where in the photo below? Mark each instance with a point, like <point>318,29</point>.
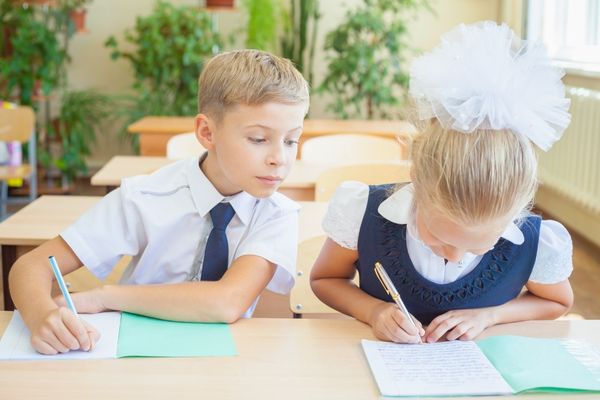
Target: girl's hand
<point>390,324</point>
<point>88,302</point>
<point>459,324</point>
<point>61,331</point>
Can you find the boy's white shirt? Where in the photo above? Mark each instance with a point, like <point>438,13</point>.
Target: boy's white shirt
<point>162,220</point>
<point>344,216</point>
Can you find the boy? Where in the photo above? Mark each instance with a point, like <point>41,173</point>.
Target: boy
<point>206,235</point>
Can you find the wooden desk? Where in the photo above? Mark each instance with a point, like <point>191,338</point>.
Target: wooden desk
<point>299,185</point>
<point>155,131</point>
<point>31,226</point>
<point>47,216</point>
<point>278,359</point>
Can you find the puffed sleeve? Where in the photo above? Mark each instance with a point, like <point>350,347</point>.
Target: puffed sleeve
<point>106,232</point>
<point>554,260</point>
<point>345,213</point>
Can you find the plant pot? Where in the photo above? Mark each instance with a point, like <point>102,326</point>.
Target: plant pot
<point>78,18</point>
<point>35,2</point>
<point>7,50</point>
<point>219,3</point>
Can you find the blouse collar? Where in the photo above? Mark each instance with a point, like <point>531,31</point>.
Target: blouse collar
<point>398,209</point>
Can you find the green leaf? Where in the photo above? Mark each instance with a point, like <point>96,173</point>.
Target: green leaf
<point>365,54</point>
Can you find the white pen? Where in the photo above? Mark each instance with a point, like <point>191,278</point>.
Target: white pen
<point>62,285</point>
<point>389,287</point>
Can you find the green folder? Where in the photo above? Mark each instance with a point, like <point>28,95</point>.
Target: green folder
<point>549,365</point>
<point>141,336</point>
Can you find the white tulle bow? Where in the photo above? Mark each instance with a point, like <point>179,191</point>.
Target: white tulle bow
<point>484,76</point>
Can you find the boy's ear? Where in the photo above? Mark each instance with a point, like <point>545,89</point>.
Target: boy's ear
<point>204,131</point>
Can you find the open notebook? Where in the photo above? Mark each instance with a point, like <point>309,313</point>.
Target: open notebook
<point>493,366</point>
<point>129,335</point>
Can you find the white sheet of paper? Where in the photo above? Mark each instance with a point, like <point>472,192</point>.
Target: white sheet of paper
<point>15,343</point>
<point>434,369</point>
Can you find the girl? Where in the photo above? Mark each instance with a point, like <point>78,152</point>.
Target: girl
<point>458,243</point>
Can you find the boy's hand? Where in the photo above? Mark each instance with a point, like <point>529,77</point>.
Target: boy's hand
<point>459,324</point>
<point>61,331</point>
<point>389,323</point>
<point>88,302</point>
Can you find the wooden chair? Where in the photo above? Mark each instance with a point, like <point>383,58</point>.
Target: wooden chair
<point>302,298</point>
<point>18,124</point>
<point>184,145</point>
<point>369,173</point>
<point>350,148</point>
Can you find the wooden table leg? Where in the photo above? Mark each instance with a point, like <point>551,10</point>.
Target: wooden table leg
<point>9,256</point>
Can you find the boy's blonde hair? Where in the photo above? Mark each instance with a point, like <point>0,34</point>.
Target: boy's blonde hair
<point>474,178</point>
<point>248,77</point>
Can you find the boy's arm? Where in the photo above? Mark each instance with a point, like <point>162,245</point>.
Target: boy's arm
<point>331,280</point>
<point>30,282</point>
<point>225,300</point>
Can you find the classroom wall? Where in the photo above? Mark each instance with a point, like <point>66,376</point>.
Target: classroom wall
<point>92,67</point>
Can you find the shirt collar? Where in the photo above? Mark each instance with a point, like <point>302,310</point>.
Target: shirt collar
<point>398,209</point>
<point>206,196</point>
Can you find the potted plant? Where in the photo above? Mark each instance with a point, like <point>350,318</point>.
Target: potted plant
<point>219,3</point>
<point>299,37</point>
<point>170,48</point>
<point>83,115</point>
<point>35,74</point>
<point>366,74</point>
<point>76,11</point>
<point>36,57</point>
<point>261,30</point>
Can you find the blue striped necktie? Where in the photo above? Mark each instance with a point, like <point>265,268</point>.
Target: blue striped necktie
<point>216,252</point>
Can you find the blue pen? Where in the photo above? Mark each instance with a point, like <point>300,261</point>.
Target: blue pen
<point>62,285</point>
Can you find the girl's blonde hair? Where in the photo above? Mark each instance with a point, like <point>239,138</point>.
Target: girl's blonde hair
<point>473,178</point>
<point>249,77</point>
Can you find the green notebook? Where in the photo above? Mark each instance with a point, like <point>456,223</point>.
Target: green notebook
<point>141,336</point>
<point>128,335</point>
<point>497,365</point>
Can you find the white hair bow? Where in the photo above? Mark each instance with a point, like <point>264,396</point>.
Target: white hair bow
<point>484,77</point>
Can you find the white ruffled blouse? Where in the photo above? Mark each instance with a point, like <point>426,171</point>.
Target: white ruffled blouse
<point>344,216</point>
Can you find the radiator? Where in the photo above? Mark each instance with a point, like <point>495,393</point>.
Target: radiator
<point>572,167</point>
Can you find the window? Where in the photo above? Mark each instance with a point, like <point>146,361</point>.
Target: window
<point>570,29</point>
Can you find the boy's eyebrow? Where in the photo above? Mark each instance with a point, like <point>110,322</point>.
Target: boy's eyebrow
<point>265,127</point>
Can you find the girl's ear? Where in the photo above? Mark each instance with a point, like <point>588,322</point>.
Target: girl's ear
<point>412,173</point>
<point>204,131</point>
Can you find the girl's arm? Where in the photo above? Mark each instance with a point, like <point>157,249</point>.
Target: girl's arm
<point>540,301</point>
<point>331,280</point>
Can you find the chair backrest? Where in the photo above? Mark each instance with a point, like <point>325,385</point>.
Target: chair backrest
<point>369,173</point>
<point>183,145</point>
<point>302,298</point>
<point>350,148</point>
<point>16,124</point>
